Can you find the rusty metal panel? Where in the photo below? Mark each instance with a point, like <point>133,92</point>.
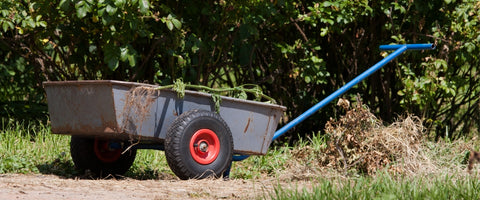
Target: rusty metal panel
<point>81,109</point>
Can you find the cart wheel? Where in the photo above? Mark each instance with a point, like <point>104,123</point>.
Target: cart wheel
<point>198,145</point>
<point>102,157</point>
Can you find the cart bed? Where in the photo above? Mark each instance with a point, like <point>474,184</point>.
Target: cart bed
<point>97,108</point>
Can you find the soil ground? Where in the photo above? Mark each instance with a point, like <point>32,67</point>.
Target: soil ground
<point>46,187</point>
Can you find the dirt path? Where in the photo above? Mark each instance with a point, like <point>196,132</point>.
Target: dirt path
<point>46,187</point>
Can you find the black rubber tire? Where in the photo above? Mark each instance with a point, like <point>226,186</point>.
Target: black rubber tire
<point>84,158</point>
<point>177,143</point>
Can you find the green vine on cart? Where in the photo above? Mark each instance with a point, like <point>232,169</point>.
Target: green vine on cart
<point>239,92</point>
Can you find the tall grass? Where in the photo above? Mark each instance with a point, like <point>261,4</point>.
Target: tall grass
<point>385,186</point>
<point>32,148</point>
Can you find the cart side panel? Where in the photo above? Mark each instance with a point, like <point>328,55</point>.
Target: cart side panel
<point>252,126</point>
<point>80,109</point>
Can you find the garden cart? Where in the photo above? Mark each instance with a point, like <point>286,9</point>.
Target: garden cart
<point>110,120</point>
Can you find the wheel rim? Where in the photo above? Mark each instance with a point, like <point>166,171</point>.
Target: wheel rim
<point>204,146</point>
<point>105,152</point>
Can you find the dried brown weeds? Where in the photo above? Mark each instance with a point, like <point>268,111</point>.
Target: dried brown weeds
<point>358,140</point>
<point>138,101</point>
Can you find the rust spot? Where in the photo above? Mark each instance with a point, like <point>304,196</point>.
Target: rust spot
<point>110,125</point>
<point>268,125</point>
<point>266,133</point>
<point>61,129</point>
<point>248,124</point>
<point>108,130</point>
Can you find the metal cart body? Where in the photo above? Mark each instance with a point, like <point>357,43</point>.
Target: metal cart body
<point>97,108</point>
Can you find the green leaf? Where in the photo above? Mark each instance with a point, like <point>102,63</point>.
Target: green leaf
<point>120,3</point>
<point>82,9</point>
<point>65,5</point>
<point>101,11</point>
<point>128,53</point>
<point>21,68</point>
<point>30,22</point>
<point>111,10</point>
<point>132,61</point>
<point>144,6</point>
<point>42,24</point>
<point>195,48</point>
<point>112,64</point>
<point>11,72</point>
<point>308,79</point>
<point>324,31</point>
<point>7,25</point>
<point>123,54</point>
<point>112,56</point>
<point>169,25</point>
<point>177,23</point>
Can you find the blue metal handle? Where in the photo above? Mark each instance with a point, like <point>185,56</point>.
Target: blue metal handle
<point>399,49</point>
<point>409,46</point>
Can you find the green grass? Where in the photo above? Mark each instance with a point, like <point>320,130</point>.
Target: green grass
<point>384,186</point>
<point>27,148</point>
<point>256,166</point>
<point>277,159</point>
<point>150,164</point>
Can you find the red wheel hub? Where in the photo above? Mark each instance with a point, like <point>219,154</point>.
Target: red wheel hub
<point>105,152</point>
<point>204,146</point>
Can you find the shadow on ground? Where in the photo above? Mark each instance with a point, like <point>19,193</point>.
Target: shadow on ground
<point>63,166</point>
